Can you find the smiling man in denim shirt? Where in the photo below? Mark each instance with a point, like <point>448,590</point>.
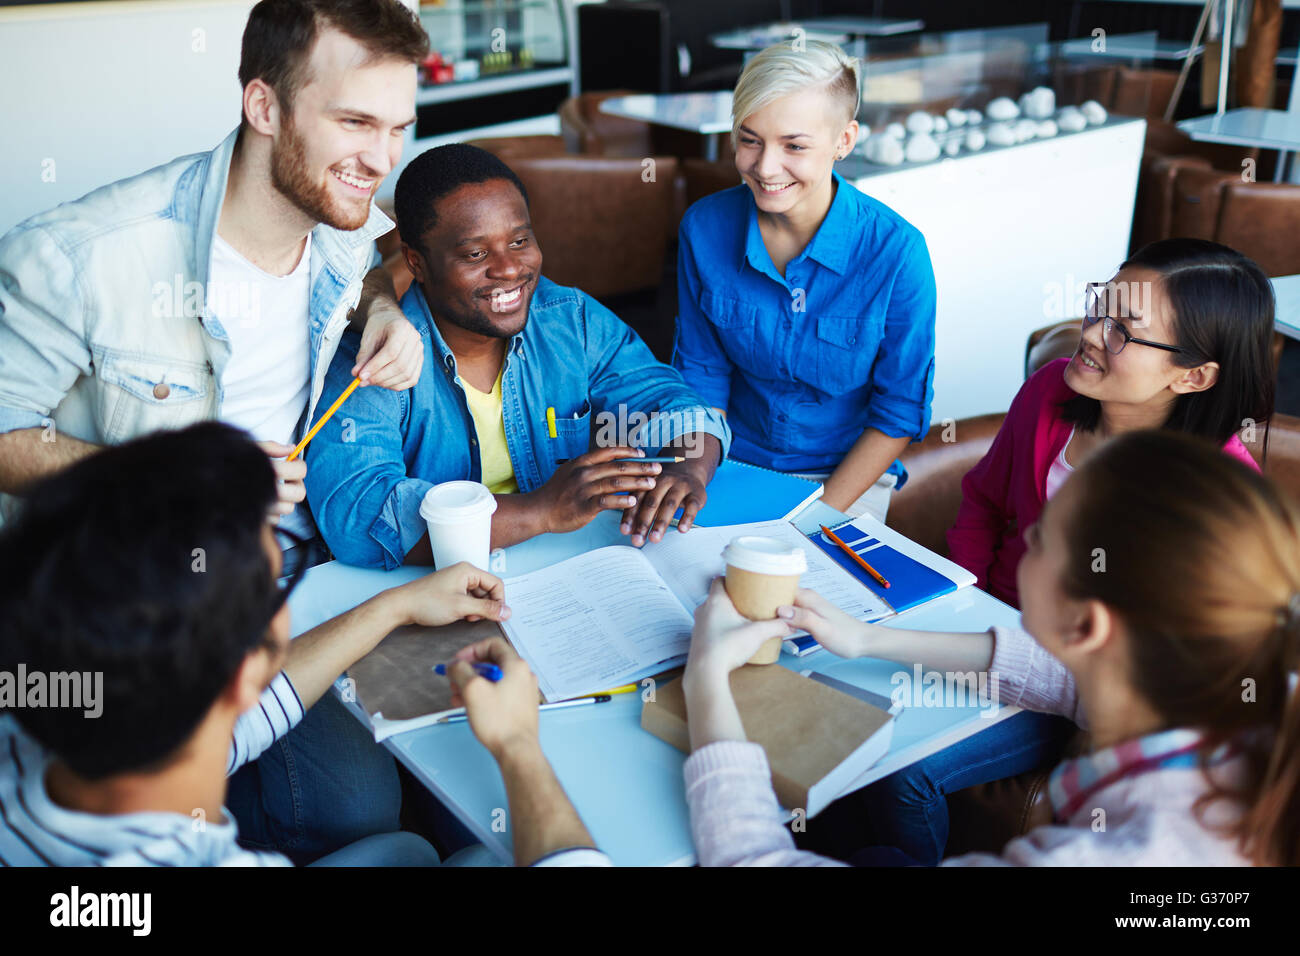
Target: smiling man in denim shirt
<point>136,308</point>
<point>503,345</point>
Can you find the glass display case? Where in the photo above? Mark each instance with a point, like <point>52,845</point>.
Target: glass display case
<point>946,95</point>
<point>493,62</point>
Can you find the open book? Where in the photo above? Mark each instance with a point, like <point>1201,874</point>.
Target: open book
<point>617,614</point>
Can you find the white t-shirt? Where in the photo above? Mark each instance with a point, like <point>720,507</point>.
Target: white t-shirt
<point>267,381</point>
<point>1059,471</point>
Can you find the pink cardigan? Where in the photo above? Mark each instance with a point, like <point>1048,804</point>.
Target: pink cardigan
<point>1004,494</point>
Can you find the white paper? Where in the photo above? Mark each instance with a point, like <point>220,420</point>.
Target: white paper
<point>595,621</point>
<point>688,562</point>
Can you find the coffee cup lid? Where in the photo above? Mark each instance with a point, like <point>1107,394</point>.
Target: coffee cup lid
<point>751,552</point>
<point>455,501</point>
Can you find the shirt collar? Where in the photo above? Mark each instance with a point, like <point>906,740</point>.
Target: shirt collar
<point>830,245</point>
<point>448,358</point>
<point>1074,781</point>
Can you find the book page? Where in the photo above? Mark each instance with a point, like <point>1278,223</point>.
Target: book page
<point>595,621</point>
<point>688,562</point>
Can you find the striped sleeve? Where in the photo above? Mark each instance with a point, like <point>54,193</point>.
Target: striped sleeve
<point>277,712</point>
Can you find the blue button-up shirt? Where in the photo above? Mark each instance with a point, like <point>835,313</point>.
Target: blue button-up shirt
<point>370,465</point>
<point>804,363</point>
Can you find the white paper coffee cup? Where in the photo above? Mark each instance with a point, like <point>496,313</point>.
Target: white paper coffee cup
<point>459,516</point>
<point>763,574</point>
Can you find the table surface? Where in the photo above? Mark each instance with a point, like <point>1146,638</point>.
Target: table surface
<point>1133,46</point>
<point>698,112</point>
<point>625,783</point>
<point>1247,126</point>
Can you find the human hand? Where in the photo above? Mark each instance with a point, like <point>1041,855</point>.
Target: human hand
<point>391,354</point>
<point>460,592</point>
<point>289,488</point>
<point>842,635</point>
<point>724,639</point>
<point>682,485</point>
<point>583,487</point>
<point>502,714</point>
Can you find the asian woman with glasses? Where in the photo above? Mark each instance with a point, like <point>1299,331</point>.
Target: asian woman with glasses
<point>1179,339</point>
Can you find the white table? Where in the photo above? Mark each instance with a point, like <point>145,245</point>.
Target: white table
<point>1286,289</point>
<point>705,113</point>
<point>625,783</point>
<point>1250,126</point>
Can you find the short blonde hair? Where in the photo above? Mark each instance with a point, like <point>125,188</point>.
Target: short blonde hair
<point>783,69</point>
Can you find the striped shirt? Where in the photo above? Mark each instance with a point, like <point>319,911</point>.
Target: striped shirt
<point>35,831</point>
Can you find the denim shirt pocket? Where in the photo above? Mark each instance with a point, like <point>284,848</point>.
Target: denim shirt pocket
<point>572,436</point>
<point>141,393</point>
<point>846,349</point>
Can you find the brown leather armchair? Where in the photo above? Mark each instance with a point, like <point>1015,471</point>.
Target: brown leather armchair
<point>587,130</point>
<point>519,147</point>
<point>705,177</point>
<point>1051,342</point>
<point>1262,220</point>
<point>926,506</point>
<point>600,225</point>
<point>1283,462</point>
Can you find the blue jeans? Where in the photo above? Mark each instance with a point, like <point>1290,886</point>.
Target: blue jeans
<point>908,810</point>
<point>322,786</point>
<point>404,849</point>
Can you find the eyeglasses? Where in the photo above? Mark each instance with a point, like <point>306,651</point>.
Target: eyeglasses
<point>285,584</point>
<point>1113,334</point>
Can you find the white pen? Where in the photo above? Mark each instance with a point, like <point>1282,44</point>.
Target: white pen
<point>575,702</point>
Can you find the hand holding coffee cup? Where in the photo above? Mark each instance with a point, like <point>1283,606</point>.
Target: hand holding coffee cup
<point>762,575</point>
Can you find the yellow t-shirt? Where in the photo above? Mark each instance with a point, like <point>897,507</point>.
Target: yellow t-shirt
<point>494,454</point>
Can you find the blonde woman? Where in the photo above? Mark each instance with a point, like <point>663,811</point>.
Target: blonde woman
<point>806,308</point>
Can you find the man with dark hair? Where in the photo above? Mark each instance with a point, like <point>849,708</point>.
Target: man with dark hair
<point>518,375</point>
<point>152,569</point>
<point>218,286</point>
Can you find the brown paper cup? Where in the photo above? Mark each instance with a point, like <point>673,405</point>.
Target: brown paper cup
<point>757,596</point>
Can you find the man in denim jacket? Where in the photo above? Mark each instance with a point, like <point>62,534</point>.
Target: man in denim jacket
<point>503,346</point>
<point>109,326</point>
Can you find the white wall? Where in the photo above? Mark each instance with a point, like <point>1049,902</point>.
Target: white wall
<point>1008,230</point>
<point>93,92</point>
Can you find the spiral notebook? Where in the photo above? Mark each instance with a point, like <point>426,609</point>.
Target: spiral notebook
<point>915,574</point>
<point>741,493</point>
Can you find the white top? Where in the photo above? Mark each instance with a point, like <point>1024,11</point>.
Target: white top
<point>1060,469</point>
<point>268,379</point>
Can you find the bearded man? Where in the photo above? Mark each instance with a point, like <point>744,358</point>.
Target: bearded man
<point>218,286</point>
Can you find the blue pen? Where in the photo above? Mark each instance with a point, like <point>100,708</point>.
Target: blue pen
<point>483,669</point>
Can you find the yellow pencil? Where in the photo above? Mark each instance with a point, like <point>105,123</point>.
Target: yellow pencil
<point>856,557</point>
<point>324,418</point>
<point>550,422</point>
<point>625,689</point>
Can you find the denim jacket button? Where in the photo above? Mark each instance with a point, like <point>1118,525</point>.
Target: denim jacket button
<point>161,391</point>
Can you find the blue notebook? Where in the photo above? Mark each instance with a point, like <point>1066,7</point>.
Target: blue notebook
<point>911,582</point>
<point>741,493</point>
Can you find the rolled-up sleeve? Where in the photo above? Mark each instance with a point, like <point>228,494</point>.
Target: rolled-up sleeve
<point>902,383</point>
<point>365,504</point>
<point>697,352</point>
<point>622,371</point>
<point>43,349</point>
